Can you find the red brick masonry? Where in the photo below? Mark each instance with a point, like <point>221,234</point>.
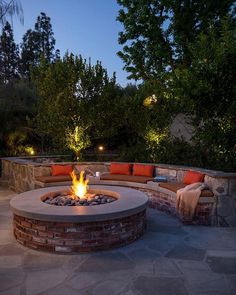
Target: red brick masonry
<point>167,203</point>
<point>68,237</point>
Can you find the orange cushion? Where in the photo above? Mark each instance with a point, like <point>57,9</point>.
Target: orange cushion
<point>61,170</point>
<point>143,170</point>
<point>118,168</point>
<point>192,177</point>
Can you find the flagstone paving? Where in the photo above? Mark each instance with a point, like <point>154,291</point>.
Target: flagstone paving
<point>169,259</point>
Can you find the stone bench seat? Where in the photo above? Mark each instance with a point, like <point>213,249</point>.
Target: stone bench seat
<point>47,181</point>
<point>175,186</point>
<point>121,177</point>
<point>162,196</point>
<point>50,178</point>
<point>27,173</point>
<point>44,181</point>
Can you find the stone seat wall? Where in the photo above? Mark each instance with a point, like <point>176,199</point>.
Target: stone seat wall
<point>20,175</point>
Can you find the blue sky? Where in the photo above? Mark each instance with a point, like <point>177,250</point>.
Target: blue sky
<point>86,27</point>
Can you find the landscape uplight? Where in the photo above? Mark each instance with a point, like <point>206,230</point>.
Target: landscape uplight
<point>101,148</point>
<point>30,150</point>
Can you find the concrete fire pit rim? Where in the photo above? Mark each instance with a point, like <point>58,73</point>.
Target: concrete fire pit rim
<point>30,205</point>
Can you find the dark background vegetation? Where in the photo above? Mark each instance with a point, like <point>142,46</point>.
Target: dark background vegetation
<point>183,54</point>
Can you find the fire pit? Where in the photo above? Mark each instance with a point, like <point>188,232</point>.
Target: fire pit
<point>73,229</point>
<point>78,195</point>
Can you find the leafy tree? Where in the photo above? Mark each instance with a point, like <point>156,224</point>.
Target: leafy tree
<point>208,86</point>
<point>208,90</point>
<point>36,44</point>
<point>77,139</point>
<point>17,103</point>
<point>157,33</point>
<point>9,56</point>
<point>17,107</point>
<point>184,51</point>
<point>66,88</point>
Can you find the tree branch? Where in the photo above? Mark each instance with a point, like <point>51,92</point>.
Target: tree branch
<point>6,10</point>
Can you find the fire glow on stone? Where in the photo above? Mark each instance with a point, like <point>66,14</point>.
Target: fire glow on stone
<point>79,187</point>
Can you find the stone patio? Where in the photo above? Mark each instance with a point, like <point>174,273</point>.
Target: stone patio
<point>169,259</point>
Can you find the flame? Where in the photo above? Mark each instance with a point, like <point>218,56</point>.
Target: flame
<point>79,187</point>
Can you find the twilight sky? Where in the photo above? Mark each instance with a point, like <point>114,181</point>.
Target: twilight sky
<point>86,27</point>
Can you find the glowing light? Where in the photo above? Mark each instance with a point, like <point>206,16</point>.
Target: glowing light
<point>101,148</point>
<point>150,100</point>
<point>30,150</point>
<point>79,187</point>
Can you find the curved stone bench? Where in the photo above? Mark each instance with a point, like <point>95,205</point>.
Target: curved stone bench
<point>24,174</point>
<point>159,198</point>
<point>165,200</point>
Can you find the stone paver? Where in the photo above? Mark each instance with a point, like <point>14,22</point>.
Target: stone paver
<point>107,262</point>
<point>183,251</point>
<point>169,259</point>
<point>156,285</point>
<point>199,283</point>
<point>226,265</point>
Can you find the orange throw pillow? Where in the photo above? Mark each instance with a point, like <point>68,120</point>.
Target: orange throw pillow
<point>61,170</point>
<point>192,177</point>
<point>143,170</point>
<point>118,168</point>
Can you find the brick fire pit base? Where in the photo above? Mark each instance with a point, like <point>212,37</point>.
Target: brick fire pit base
<point>68,237</point>
<point>73,229</point>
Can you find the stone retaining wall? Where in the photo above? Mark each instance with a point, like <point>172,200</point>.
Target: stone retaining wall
<point>20,174</point>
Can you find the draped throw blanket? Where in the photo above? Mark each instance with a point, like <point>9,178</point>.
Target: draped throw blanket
<point>187,199</point>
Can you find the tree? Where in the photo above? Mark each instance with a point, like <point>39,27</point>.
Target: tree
<point>76,138</point>
<point>208,91</point>
<point>67,88</point>
<point>46,40</point>
<point>9,8</point>
<point>184,51</point>
<point>17,107</point>
<point>36,44</point>
<point>157,33</point>
<point>9,55</point>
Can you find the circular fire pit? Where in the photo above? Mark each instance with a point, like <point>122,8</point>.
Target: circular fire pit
<point>65,198</point>
<point>71,229</point>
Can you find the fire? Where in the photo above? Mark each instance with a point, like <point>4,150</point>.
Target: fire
<point>79,187</point>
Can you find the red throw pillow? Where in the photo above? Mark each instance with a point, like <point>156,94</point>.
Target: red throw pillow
<point>61,170</point>
<point>118,168</point>
<point>143,170</point>
<point>192,177</point>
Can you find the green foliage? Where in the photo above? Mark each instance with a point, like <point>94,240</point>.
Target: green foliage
<point>77,139</point>
<point>116,122</point>
<point>136,152</point>
<point>17,106</point>
<point>16,142</point>
<point>157,33</point>
<point>66,88</point>
<point>208,91</point>
<point>9,55</point>
<point>184,51</point>
<point>37,43</point>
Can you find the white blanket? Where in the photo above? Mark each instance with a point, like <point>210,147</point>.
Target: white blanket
<point>187,199</point>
